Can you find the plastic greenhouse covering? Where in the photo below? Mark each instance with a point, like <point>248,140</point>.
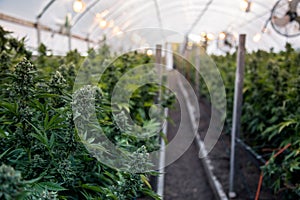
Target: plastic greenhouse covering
<point>139,23</point>
<point>150,99</point>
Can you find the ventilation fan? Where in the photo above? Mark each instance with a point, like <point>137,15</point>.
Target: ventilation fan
<point>226,42</point>
<point>285,17</point>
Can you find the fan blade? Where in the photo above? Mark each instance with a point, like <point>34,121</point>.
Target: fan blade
<point>281,21</point>
<point>293,5</point>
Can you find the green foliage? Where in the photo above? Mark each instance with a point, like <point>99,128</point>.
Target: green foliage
<point>12,50</point>
<point>271,115</point>
<point>10,183</point>
<point>41,152</point>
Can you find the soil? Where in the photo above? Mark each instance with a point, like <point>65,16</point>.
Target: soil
<point>185,178</point>
<point>247,168</point>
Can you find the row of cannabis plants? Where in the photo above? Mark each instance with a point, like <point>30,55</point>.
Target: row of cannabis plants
<point>270,111</point>
<point>42,155</point>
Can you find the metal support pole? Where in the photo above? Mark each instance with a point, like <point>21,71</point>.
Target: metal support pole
<point>169,56</point>
<point>161,71</point>
<point>237,108</point>
<point>38,33</point>
<point>38,21</point>
<point>183,53</point>
<point>188,68</point>
<point>197,71</point>
<point>158,61</point>
<point>88,41</point>
<point>69,38</point>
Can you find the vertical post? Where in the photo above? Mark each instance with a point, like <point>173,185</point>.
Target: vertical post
<point>88,41</point>
<point>169,56</point>
<point>205,43</point>
<point>69,39</point>
<point>237,108</point>
<point>183,52</point>
<point>162,155</point>
<point>158,61</point>
<point>197,71</point>
<point>182,59</point>
<point>38,33</point>
<point>187,67</point>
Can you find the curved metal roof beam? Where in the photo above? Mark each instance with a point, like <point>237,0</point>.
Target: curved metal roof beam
<point>158,15</point>
<point>199,17</point>
<point>44,10</point>
<point>94,4</point>
<point>115,7</point>
<point>92,28</point>
<point>81,15</point>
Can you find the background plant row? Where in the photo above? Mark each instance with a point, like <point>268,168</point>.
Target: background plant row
<point>271,109</point>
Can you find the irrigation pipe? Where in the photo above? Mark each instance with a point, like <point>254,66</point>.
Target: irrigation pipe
<point>261,174</point>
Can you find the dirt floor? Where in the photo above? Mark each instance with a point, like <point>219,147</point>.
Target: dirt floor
<point>247,168</point>
<point>185,178</point>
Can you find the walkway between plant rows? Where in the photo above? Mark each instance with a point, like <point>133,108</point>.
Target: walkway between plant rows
<point>185,179</point>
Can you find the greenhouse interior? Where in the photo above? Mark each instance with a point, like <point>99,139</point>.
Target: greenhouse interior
<point>158,99</point>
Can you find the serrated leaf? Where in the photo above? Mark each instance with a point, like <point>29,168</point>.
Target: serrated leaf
<point>5,152</point>
<point>145,180</point>
<point>285,124</point>
<point>92,187</point>
<point>51,186</point>
<point>150,193</point>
